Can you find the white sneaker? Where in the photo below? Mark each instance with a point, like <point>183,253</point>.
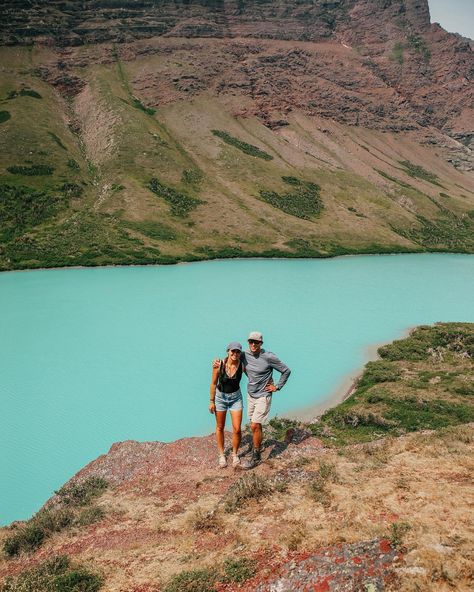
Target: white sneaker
<point>222,461</point>
<point>235,460</point>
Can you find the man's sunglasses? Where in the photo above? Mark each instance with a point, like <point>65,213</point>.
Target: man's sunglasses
<point>254,342</point>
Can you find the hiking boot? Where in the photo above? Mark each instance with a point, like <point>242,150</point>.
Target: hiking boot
<point>254,460</point>
<point>235,461</point>
<point>222,461</point>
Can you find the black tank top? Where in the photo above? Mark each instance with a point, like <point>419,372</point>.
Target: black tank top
<point>226,384</point>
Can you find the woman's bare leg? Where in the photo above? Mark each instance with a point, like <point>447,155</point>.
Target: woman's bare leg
<point>236,417</point>
<point>220,425</point>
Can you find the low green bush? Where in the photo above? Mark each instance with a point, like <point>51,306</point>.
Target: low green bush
<point>418,172</point>
<point>35,170</point>
<point>139,105</point>
<point>239,570</point>
<point>23,207</point>
<point>82,492</point>
<point>303,201</point>
<point>71,190</point>
<point>24,92</point>
<point>73,165</point>
<point>191,176</point>
<point>197,580</point>
<point>4,116</point>
<point>151,229</point>
<point>55,575</point>
<point>249,149</point>
<point>376,372</point>
<point>251,486</point>
<point>181,203</point>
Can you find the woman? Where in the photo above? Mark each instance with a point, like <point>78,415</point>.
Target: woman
<point>226,396</point>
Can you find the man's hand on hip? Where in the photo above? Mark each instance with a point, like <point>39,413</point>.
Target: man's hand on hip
<point>271,388</point>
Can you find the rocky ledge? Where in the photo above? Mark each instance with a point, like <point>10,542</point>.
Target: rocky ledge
<point>374,496</point>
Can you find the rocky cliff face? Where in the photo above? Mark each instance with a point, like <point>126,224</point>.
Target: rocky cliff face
<point>69,22</point>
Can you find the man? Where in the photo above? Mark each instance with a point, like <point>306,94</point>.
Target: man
<point>259,365</point>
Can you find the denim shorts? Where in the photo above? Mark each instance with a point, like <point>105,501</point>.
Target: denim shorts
<point>229,401</point>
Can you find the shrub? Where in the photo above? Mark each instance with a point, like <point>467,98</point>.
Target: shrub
<point>27,538</point>
<point>139,105</point>
<point>191,177</point>
<point>280,426</point>
<point>418,44</point>
<point>90,516</point>
<point>318,491</point>
<point>198,580</point>
<point>24,92</point>
<point>249,487</point>
<point>418,172</point>
<point>55,575</point>
<point>35,170</point>
<point>72,190</point>
<point>81,493</point>
<point>398,532</point>
<point>72,164</point>
<point>376,372</point>
<point>151,229</point>
<point>205,521</point>
<point>239,570</point>
<point>181,203</point>
<point>4,116</point>
<point>303,201</point>
<point>249,149</point>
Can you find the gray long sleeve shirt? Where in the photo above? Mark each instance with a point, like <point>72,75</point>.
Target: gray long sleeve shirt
<point>260,370</point>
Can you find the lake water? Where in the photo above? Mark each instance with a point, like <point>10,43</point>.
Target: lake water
<point>89,357</point>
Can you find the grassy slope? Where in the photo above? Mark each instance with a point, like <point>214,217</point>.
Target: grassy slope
<point>119,147</point>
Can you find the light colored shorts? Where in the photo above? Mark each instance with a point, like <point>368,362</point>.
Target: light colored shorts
<point>229,401</point>
<point>258,409</point>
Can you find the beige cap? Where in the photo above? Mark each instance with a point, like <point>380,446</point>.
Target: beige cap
<point>256,336</point>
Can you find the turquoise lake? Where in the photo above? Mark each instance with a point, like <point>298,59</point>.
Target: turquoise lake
<point>89,357</point>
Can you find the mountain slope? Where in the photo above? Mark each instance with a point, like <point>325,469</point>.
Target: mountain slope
<point>231,129</point>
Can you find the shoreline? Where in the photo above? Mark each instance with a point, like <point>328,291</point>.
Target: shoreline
<point>290,257</point>
<point>345,389</point>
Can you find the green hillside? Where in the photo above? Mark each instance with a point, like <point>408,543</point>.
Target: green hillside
<point>91,174</point>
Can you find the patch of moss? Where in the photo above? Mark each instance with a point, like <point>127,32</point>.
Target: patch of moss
<point>181,203</point>
<point>304,201</point>
<point>249,149</point>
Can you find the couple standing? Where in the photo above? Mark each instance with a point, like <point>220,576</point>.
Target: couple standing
<point>225,393</point>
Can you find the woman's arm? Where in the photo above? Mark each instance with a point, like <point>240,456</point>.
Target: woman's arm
<point>212,389</point>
